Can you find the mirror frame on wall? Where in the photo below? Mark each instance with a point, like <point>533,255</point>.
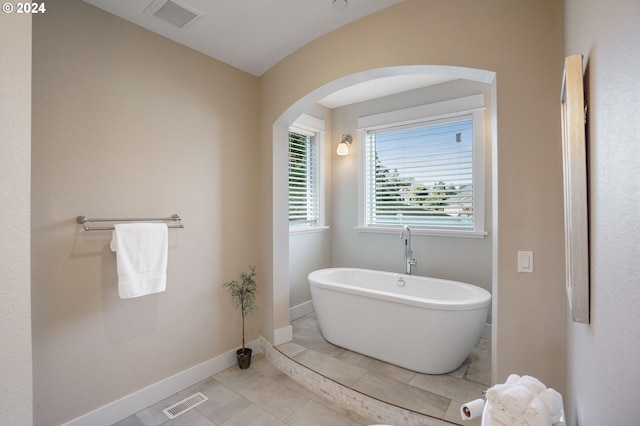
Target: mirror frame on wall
<point>576,208</point>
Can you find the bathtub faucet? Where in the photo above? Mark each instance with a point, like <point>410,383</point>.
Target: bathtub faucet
<point>409,260</point>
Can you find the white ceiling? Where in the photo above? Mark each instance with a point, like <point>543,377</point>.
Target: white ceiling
<point>254,35</point>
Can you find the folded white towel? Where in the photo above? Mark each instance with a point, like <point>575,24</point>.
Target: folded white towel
<point>516,399</point>
<point>503,417</point>
<point>537,414</point>
<point>141,258</point>
<point>494,394</point>
<point>512,379</point>
<point>552,399</point>
<point>499,417</point>
<point>534,385</point>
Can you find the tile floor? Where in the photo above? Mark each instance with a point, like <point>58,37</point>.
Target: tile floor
<point>263,395</point>
<point>438,396</point>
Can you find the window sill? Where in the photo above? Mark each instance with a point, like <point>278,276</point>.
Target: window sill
<point>425,232</point>
<point>307,229</point>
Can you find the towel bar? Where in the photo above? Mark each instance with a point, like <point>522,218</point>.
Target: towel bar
<point>82,220</point>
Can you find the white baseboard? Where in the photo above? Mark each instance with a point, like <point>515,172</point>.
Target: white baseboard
<point>486,332</point>
<point>283,335</point>
<point>132,403</point>
<point>300,310</point>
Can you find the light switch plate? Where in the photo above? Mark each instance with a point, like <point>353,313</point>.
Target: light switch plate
<point>525,261</point>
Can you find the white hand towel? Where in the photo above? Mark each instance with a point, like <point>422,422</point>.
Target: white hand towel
<point>141,258</point>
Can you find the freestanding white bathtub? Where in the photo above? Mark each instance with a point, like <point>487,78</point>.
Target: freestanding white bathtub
<point>423,324</point>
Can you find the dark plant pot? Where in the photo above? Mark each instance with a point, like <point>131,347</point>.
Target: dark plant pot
<point>244,358</point>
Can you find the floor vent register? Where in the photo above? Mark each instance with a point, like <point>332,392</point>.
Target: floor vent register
<point>185,405</point>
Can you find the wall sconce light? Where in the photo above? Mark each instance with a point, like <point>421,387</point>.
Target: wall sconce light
<point>343,146</point>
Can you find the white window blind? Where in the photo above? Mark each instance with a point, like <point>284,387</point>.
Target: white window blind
<point>421,174</point>
<point>303,179</point>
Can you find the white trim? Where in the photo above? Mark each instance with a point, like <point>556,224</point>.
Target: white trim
<point>415,114</point>
<point>301,229</point>
<point>479,169</point>
<point>300,310</point>
<point>420,231</point>
<point>309,123</point>
<point>282,335</point>
<point>314,127</point>
<point>322,175</point>
<point>486,331</point>
<point>126,406</point>
<point>473,105</point>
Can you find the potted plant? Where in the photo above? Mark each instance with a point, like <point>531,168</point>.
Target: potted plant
<point>244,294</point>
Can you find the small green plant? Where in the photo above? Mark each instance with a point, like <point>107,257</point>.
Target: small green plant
<point>244,294</point>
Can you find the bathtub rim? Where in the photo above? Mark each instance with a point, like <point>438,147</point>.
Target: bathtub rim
<point>482,299</point>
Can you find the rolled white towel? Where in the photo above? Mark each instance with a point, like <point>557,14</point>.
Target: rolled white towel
<point>512,379</point>
<point>532,384</point>
<point>552,399</point>
<point>499,417</point>
<point>502,417</point>
<point>494,394</point>
<point>537,414</point>
<point>516,399</point>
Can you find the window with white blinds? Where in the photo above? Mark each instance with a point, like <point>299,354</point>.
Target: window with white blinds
<point>303,179</point>
<point>425,173</point>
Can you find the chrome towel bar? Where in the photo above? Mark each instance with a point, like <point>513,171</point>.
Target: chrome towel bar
<point>175,222</point>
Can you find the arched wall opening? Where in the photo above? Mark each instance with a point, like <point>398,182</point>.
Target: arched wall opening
<point>281,328</point>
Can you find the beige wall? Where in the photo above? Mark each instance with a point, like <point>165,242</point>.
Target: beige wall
<point>522,43</point>
<point>603,378</point>
<point>16,385</point>
<point>129,124</point>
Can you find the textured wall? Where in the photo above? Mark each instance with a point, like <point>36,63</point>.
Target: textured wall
<point>603,377</point>
<point>15,290</point>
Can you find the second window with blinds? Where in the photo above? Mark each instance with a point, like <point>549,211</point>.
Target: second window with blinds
<point>306,186</point>
<point>424,167</point>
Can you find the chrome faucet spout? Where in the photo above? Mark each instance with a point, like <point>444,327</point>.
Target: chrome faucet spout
<point>409,261</point>
<point>407,240</point>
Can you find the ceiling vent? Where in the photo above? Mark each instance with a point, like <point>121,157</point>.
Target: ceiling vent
<point>173,12</point>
